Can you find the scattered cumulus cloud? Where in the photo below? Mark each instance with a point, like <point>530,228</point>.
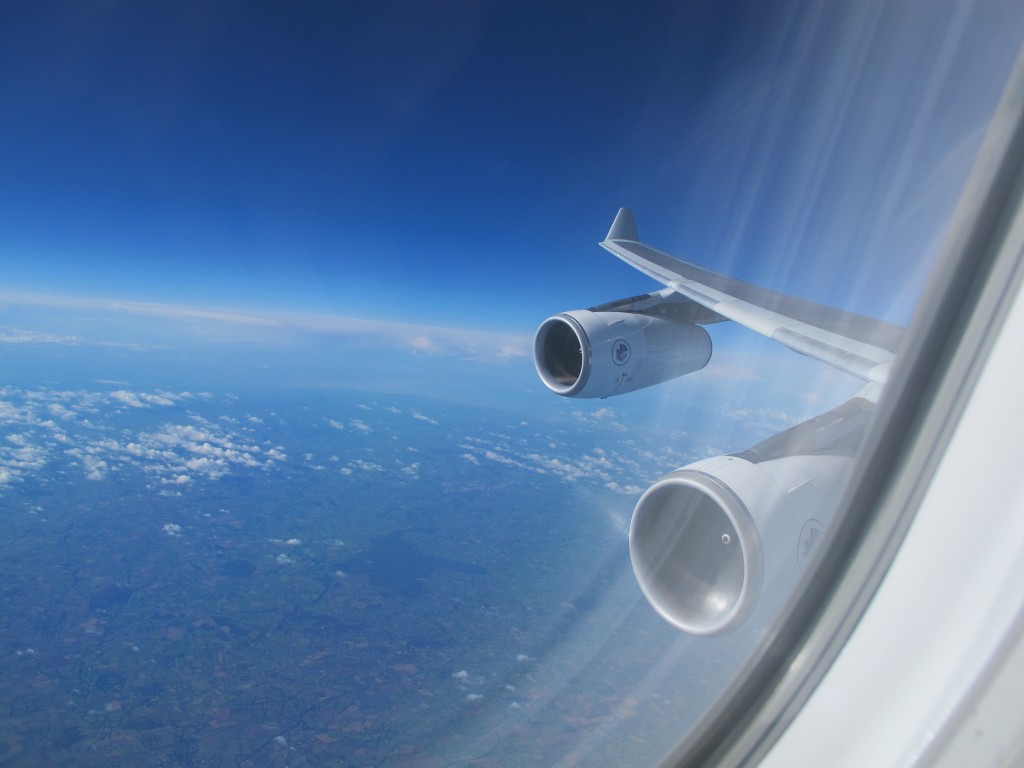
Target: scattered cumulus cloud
<point>95,468</point>
<point>626,490</point>
<point>178,448</point>
<point>58,410</point>
<point>366,466</point>
<point>621,467</point>
<point>604,416</point>
<point>50,425</point>
<point>141,399</point>
<point>420,417</point>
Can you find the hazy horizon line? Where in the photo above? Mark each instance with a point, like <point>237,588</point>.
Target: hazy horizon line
<point>427,338</point>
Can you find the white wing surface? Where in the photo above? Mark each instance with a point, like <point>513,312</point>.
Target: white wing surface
<point>861,346</point>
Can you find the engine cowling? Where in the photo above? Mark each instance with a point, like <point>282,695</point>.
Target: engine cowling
<point>716,540</point>
<point>599,354</point>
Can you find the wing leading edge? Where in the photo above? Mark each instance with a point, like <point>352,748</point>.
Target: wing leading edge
<point>859,345</point>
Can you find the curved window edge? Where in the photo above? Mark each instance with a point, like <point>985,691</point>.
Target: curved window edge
<point>969,292</point>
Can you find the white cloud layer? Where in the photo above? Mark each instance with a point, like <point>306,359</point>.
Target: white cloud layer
<point>173,454</point>
<point>424,339</point>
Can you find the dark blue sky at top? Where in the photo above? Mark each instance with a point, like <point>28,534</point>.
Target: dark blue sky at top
<point>456,163</point>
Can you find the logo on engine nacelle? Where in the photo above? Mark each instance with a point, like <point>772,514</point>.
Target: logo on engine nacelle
<point>809,536</point>
<point>621,352</point>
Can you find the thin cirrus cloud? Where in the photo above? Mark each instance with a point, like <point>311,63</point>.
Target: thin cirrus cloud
<point>225,325</point>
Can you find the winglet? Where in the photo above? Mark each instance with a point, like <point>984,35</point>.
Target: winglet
<point>624,226</point>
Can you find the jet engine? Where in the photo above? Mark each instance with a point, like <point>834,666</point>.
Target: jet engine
<point>587,353</point>
<point>716,539</point>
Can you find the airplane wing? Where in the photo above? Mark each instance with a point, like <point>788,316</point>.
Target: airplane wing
<point>713,543</point>
<point>861,346</point>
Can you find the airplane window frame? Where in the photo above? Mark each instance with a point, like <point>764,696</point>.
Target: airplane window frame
<point>975,278</point>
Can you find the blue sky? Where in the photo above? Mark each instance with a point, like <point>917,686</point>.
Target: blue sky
<point>393,196</point>
<point>251,154</point>
<point>454,163</point>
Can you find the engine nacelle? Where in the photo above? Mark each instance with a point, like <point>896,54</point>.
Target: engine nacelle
<point>715,539</point>
<point>599,354</point>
